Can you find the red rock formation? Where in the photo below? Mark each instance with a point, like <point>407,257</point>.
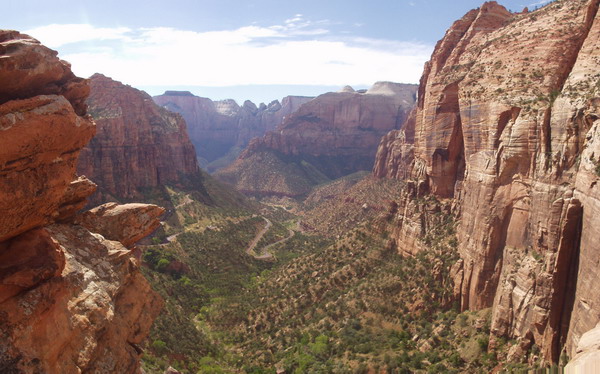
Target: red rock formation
<point>219,127</point>
<point>70,300</point>
<point>51,77</point>
<point>138,144</point>
<point>506,124</point>
<point>126,223</point>
<point>38,165</point>
<point>331,136</point>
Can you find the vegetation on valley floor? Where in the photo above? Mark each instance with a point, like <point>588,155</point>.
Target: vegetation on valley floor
<point>349,305</point>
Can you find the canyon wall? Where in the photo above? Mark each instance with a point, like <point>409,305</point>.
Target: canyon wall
<point>222,129</point>
<point>138,145</point>
<point>333,135</point>
<point>506,125</point>
<point>71,301</point>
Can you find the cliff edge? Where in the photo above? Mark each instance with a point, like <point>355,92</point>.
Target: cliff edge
<point>71,301</point>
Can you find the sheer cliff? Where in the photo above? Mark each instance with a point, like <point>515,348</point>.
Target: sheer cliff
<point>506,127</point>
<point>71,300</point>
<point>138,145</point>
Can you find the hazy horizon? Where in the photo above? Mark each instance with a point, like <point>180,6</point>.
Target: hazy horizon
<point>256,52</point>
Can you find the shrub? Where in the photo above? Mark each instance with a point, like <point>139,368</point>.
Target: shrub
<point>162,264</point>
<point>159,347</point>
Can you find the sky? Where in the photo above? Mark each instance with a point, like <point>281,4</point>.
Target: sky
<point>260,50</point>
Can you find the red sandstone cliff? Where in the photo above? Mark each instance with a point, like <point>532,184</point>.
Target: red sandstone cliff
<point>71,301</point>
<point>223,128</point>
<point>507,125</point>
<point>332,135</point>
<point>138,145</point>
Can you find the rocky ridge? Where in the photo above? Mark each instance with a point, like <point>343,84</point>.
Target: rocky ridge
<point>333,135</point>
<point>138,145</point>
<point>221,129</point>
<point>506,128</point>
<point>71,301</point>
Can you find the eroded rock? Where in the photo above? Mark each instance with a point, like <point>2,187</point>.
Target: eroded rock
<point>125,223</point>
<point>506,126</point>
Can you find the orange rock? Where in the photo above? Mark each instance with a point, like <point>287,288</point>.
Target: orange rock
<point>91,318</point>
<point>27,260</point>
<point>70,301</point>
<point>126,223</point>
<point>29,69</point>
<point>41,138</point>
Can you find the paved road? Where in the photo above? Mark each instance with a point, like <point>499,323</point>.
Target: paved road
<point>257,238</point>
<point>266,255</point>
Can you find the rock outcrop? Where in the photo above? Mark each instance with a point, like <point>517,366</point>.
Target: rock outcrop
<point>71,301</point>
<point>587,358</point>
<point>220,130</point>
<point>42,132</point>
<point>333,135</point>
<point>507,126</point>
<point>138,146</point>
<point>127,223</point>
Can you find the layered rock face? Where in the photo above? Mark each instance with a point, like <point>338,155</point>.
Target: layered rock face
<point>507,125</point>
<point>219,128</point>
<point>138,145</point>
<point>42,132</point>
<point>333,135</point>
<point>71,301</point>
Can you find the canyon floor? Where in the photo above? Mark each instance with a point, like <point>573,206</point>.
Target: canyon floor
<point>259,288</point>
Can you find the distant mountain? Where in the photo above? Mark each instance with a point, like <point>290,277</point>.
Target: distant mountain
<point>220,130</point>
<point>333,135</point>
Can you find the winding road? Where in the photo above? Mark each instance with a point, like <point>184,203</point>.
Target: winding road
<point>266,254</point>
<point>258,236</point>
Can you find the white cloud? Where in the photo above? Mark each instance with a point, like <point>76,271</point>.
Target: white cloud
<point>56,35</point>
<point>298,52</point>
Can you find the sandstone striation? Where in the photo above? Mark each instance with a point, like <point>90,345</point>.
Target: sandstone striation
<point>335,134</point>
<point>506,125</point>
<point>138,145</point>
<point>221,129</point>
<point>71,301</point>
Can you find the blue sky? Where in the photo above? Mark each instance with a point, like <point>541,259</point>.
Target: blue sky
<point>259,50</point>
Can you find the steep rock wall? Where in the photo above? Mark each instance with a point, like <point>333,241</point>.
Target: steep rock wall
<point>71,301</point>
<point>138,145</point>
<point>506,125</point>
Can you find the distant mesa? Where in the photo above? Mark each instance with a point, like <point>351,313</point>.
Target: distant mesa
<point>347,89</point>
<point>178,93</point>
